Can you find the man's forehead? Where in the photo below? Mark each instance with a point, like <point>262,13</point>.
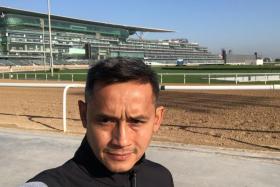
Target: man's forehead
<point>106,91</point>
<point>129,93</point>
<point>126,86</point>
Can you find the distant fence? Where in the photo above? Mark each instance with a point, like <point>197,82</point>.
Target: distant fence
<point>220,78</point>
<point>45,76</point>
<point>164,78</point>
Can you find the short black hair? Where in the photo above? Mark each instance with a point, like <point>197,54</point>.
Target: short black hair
<point>118,70</point>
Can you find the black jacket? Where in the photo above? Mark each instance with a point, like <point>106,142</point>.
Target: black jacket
<point>86,170</point>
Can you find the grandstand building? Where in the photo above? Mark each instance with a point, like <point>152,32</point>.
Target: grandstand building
<point>243,59</point>
<point>24,40</point>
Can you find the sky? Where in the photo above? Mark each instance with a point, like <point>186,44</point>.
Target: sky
<point>244,26</point>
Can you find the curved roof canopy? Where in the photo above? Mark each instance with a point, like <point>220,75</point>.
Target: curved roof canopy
<point>131,29</point>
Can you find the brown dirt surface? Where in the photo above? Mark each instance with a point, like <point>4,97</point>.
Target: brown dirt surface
<point>235,119</point>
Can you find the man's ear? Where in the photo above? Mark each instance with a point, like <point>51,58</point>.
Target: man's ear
<point>158,118</point>
<point>83,112</point>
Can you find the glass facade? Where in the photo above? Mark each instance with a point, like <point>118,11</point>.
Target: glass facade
<point>24,35</point>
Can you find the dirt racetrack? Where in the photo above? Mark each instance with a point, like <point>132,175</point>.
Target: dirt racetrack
<point>236,119</point>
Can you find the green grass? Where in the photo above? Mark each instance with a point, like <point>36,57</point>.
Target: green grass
<point>220,69</point>
<point>199,69</point>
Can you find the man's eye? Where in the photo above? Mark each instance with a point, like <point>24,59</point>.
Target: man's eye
<point>136,121</point>
<point>105,121</point>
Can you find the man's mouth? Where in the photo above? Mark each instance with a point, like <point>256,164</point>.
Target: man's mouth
<point>119,156</point>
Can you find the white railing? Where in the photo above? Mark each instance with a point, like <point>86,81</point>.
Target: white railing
<point>49,85</point>
<point>183,78</point>
<point>224,87</point>
<point>67,86</point>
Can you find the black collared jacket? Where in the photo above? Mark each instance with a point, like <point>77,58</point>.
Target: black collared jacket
<point>86,170</point>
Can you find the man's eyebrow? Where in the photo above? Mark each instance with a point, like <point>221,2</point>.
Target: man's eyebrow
<point>139,117</point>
<point>111,117</point>
<point>107,116</point>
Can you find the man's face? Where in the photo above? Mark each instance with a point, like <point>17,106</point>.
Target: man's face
<point>120,120</point>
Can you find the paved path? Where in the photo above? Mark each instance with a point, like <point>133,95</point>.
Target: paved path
<point>24,153</point>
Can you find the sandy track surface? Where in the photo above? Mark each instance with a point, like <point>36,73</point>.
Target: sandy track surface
<point>236,119</point>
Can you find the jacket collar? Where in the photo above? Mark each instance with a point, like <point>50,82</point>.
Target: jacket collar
<point>85,157</point>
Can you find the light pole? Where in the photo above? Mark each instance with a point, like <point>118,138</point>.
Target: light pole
<point>44,49</point>
<point>50,36</point>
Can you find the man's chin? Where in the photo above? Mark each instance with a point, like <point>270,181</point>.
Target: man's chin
<point>118,168</point>
<point>119,163</point>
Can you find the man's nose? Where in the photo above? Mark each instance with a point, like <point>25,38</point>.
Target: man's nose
<point>121,134</point>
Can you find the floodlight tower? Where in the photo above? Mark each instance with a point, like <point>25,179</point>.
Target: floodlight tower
<point>50,37</point>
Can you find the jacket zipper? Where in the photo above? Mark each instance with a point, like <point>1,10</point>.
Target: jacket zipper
<point>133,179</point>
